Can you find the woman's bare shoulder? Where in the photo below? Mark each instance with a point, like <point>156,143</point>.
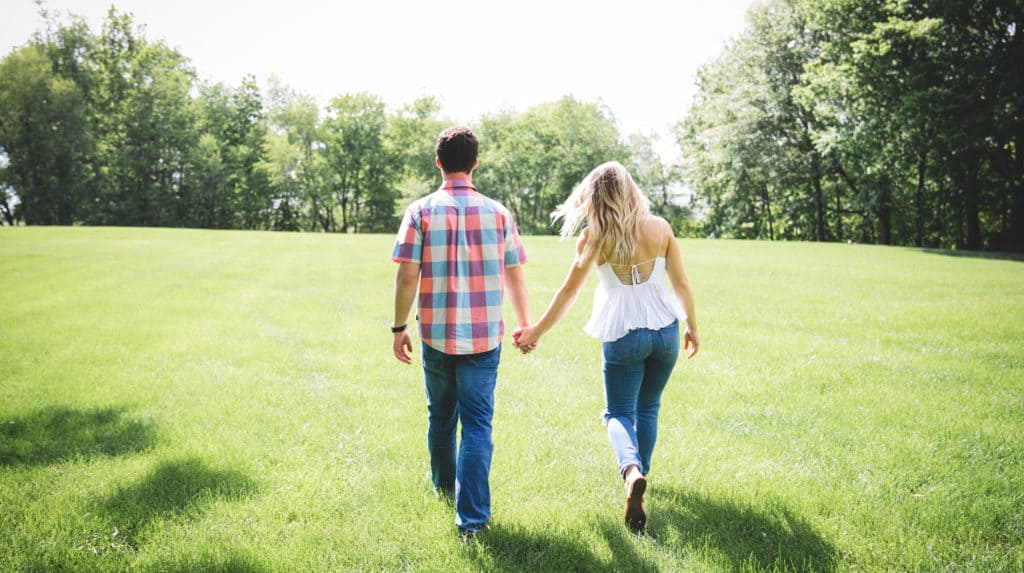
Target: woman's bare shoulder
<point>657,227</point>
<point>658,220</point>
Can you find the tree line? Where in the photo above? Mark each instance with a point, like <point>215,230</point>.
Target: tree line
<point>112,128</point>
<point>888,122</point>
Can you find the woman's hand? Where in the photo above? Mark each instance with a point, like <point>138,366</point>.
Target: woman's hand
<point>525,338</point>
<point>691,343</point>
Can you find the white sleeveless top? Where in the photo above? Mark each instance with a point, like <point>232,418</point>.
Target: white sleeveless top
<point>619,307</point>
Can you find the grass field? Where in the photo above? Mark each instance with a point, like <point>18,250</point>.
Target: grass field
<point>177,400</point>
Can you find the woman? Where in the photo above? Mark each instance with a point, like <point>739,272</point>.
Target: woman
<point>634,313</point>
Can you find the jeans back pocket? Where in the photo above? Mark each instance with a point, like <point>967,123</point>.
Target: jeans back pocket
<point>624,349</point>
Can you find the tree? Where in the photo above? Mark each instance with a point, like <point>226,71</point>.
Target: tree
<point>44,137</point>
<point>226,186</point>
<point>734,157</point>
<point>661,182</point>
<point>295,161</point>
<point>894,122</point>
<point>354,136</point>
<point>143,124</point>
<point>411,136</point>
<point>532,160</point>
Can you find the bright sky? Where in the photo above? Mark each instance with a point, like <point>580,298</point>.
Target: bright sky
<point>638,57</point>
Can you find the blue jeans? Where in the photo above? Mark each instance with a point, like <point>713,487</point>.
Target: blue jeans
<point>461,388</point>
<point>636,369</point>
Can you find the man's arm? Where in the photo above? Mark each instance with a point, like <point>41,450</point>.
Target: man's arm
<point>515,285</point>
<point>406,282</point>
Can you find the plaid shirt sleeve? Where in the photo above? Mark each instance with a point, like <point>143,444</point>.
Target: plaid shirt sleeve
<point>409,244</point>
<point>515,254</point>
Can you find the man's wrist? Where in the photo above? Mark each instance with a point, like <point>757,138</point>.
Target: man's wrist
<point>398,329</point>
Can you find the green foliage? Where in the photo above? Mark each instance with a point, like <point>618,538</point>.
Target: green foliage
<point>140,117</point>
<point>43,134</point>
<point>236,407</point>
<point>354,146</point>
<point>299,170</point>
<point>114,129</point>
<point>532,160</point>
<point>888,122</point>
<point>662,182</point>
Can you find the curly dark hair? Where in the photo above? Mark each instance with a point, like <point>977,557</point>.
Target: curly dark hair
<point>456,149</point>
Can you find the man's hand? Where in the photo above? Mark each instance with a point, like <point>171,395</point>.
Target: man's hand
<point>402,347</point>
<point>525,339</point>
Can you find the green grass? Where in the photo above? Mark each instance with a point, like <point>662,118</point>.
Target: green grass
<point>227,401</point>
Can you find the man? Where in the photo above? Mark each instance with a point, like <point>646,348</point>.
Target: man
<point>462,251</point>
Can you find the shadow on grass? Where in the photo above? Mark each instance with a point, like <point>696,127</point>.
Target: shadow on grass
<point>55,434</point>
<point>998,255</point>
<point>517,549</point>
<point>174,489</point>
<point>224,561</point>
<point>748,538</point>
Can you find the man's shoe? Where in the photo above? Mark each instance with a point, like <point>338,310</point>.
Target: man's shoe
<point>445,494</point>
<point>468,535</point>
<point>636,519</point>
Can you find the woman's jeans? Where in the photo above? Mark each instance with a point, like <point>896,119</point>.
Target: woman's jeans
<point>461,387</point>
<point>636,369</point>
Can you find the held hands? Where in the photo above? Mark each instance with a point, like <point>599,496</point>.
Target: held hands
<point>525,338</point>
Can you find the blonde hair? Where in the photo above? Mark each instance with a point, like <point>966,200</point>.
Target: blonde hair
<point>613,208</point>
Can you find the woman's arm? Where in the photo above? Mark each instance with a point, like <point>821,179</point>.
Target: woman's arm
<point>681,286</point>
<point>562,301</point>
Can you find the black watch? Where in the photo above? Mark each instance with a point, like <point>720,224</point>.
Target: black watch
<point>397,329</point>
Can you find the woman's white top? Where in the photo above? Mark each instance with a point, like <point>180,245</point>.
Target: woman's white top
<point>620,307</point>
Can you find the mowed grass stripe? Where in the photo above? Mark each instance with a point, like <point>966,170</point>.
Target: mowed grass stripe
<point>192,400</point>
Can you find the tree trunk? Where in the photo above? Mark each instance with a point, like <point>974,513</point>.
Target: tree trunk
<point>968,183</point>
<point>768,210</point>
<point>33,212</point>
<point>819,202</point>
<point>356,210</point>
<point>343,200</point>
<point>958,213</point>
<point>919,202</point>
<point>324,218</point>
<point>839,215</point>
<point>536,207</point>
<point>971,212</point>
<point>884,213</point>
<point>64,213</point>
<point>6,209</point>
<point>856,193</point>
<point>1017,206</point>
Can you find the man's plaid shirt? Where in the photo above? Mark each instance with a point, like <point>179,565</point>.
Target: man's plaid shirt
<point>463,241</point>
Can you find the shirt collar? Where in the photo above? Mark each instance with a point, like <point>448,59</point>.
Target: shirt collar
<point>458,187</point>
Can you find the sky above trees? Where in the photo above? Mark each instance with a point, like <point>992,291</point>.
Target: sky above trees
<point>639,58</point>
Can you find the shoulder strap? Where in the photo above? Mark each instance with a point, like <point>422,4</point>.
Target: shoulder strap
<point>660,242</point>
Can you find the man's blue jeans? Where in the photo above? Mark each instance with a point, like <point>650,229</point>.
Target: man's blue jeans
<point>636,369</point>
<point>461,387</point>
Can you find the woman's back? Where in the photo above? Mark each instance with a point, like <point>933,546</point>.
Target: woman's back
<point>650,246</point>
<point>634,295</point>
